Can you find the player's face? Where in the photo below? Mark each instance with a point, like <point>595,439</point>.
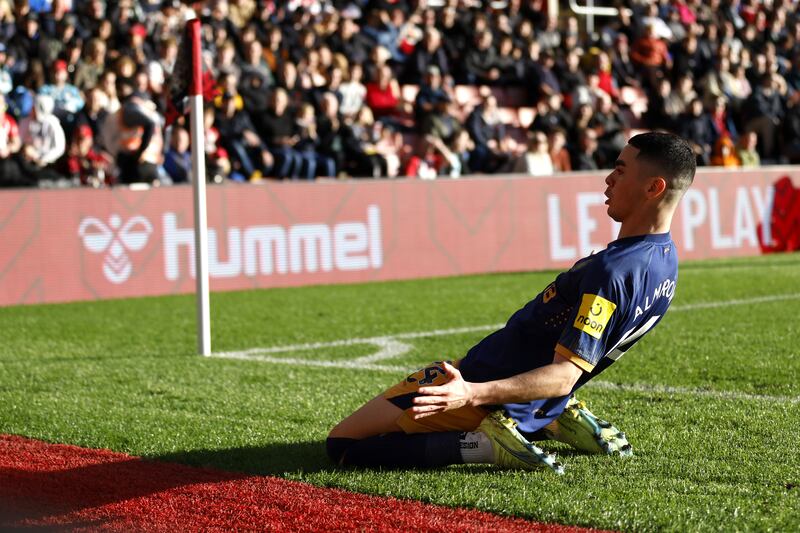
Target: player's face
<point>626,188</point>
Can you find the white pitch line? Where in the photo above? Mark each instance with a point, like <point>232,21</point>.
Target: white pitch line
<point>638,388</point>
<point>389,347</point>
<point>742,301</point>
<point>707,393</point>
<point>386,342</point>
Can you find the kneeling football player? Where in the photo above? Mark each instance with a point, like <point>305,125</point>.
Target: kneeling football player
<point>517,385</point>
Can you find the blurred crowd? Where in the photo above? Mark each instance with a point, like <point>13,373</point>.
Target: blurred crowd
<point>300,89</point>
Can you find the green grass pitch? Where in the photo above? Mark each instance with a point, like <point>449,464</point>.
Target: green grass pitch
<point>710,399</point>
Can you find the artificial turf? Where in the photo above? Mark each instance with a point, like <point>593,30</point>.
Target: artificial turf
<point>716,452</point>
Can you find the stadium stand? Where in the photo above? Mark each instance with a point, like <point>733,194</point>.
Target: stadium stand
<point>83,86</point>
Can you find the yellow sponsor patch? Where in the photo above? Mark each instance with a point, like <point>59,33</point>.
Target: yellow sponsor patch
<point>594,314</point>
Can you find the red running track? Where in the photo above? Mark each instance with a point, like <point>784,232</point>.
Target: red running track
<point>67,487</point>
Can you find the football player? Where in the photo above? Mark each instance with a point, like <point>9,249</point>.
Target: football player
<point>517,385</point>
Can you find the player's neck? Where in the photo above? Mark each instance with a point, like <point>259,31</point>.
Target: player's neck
<point>646,224</point>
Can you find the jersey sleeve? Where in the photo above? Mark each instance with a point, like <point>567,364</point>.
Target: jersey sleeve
<point>599,305</point>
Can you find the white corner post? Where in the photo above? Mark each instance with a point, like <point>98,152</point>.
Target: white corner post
<point>199,189</point>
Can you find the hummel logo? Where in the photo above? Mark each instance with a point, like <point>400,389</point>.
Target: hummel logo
<point>116,238</point>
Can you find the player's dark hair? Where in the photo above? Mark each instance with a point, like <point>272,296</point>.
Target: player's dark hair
<point>671,155</point>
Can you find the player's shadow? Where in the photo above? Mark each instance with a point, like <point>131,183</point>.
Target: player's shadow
<point>266,460</point>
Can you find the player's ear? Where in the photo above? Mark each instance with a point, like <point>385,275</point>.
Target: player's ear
<point>658,186</point>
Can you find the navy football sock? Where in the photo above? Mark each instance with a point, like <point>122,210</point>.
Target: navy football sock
<point>398,450</point>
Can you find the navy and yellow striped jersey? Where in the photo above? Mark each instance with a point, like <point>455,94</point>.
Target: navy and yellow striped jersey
<point>591,314</point>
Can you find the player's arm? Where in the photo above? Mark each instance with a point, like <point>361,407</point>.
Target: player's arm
<point>549,381</point>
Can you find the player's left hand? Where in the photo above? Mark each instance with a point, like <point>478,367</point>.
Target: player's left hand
<point>452,395</point>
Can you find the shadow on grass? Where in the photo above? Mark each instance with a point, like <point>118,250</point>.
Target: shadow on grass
<point>266,460</point>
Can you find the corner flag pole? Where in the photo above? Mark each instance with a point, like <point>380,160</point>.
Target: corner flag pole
<point>199,188</point>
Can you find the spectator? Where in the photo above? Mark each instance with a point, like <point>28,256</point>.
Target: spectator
<point>550,115</point>
<point>349,42</point>
<point>570,74</point>
<point>11,174</point>
<point>287,79</point>
<point>256,79</point>
<point>724,153</point>
<point>721,121</point>
<point>218,164</point>
<point>679,100</point>
<point>590,94</point>
<point>43,142</point>
<point>108,83</point>
<point>132,135</point>
<point>424,163</point>
<point>137,46</point>
<point>549,38</point>
<point>650,54</point>
<point>389,146</point>
<point>6,84</point>
<point>536,160</point>
<point>622,66</point>
<point>311,71</point>
<point>539,75</point>
<point>274,53</point>
<point>664,107</point>
<point>488,134</point>
<point>361,142</point>
<point>167,55</point>
<point>737,87</point>
<point>84,162</point>
<point>657,25</point>
<point>250,157</point>
<point>512,70</point>
<point>380,29</point>
<point>383,97</point>
<point>605,80</point>
<point>332,132</point>
<point>689,61</point>
<point>431,107</point>
<point>480,61</point>
<point>429,52</point>
<point>746,150</point>
<point>66,97</point>
<point>178,159</point>
<point>455,36</point>
<point>309,143</point>
<point>559,155</point>
<point>94,112</point>
<point>611,126</point>
<point>585,157</point>
<point>762,113</point>
<point>92,66</point>
<point>713,84</point>
<point>697,129</point>
<point>584,115</point>
<point>379,57</point>
<point>7,26</point>
<point>227,61</point>
<point>352,91</point>
<point>55,41</point>
<point>277,127</point>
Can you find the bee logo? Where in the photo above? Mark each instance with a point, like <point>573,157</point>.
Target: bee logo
<point>116,239</point>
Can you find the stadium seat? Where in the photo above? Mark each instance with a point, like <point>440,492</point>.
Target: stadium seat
<point>510,96</point>
<point>467,96</point>
<point>526,116</point>
<point>509,116</point>
<point>409,92</point>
